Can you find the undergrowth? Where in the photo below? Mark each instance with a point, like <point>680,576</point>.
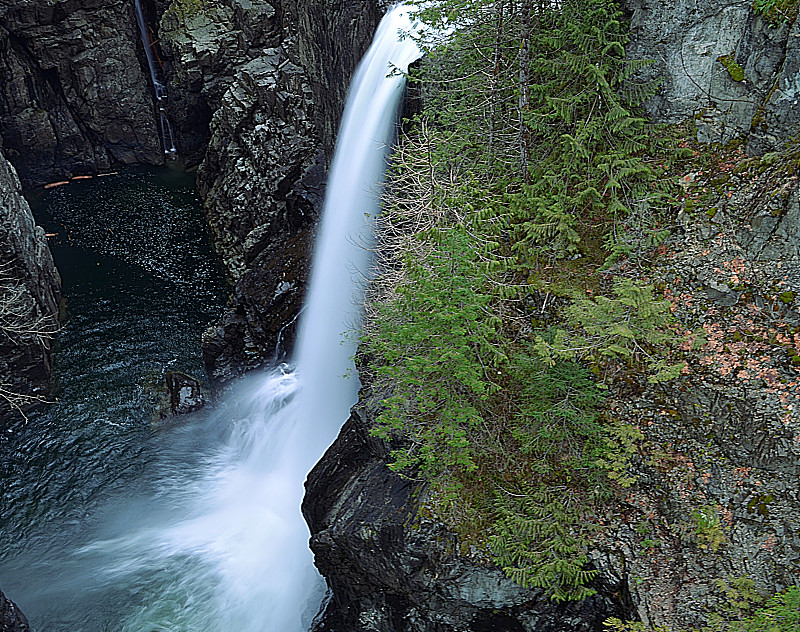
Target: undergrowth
<point>496,322</point>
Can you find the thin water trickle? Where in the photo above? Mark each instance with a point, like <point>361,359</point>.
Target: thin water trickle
<point>206,533</point>
<point>157,79</point>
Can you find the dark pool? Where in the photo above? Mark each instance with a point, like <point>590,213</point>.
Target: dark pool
<point>141,284</point>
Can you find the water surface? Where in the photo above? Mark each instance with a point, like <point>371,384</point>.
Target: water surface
<point>141,284</point>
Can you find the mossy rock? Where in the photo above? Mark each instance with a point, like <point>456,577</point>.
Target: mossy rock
<point>734,70</point>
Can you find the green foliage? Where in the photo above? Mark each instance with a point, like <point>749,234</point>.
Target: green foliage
<point>632,326</point>
<point>436,345</point>
<point>620,445</point>
<point>528,149</point>
<point>738,612</point>
<point>708,527</point>
<point>554,419</point>
<point>186,9</point>
<point>776,11</point>
<point>471,410</point>
<point>541,543</point>
<point>574,144</point>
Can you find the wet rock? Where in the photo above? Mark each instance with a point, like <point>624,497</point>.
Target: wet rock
<point>75,96</point>
<point>332,37</point>
<point>30,293</point>
<point>11,618</point>
<point>184,392</point>
<point>261,325</point>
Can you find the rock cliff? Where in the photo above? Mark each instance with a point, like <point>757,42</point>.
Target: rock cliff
<point>263,170</point>
<point>29,298</point>
<point>74,94</point>
<point>731,69</point>
<point>715,497</point>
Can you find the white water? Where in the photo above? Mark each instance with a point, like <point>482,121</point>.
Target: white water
<point>160,88</point>
<point>222,546</point>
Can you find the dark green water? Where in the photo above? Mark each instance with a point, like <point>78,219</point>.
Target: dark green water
<point>141,284</point>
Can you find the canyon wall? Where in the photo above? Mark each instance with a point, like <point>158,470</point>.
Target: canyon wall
<point>74,95</point>
<point>255,66</point>
<point>256,90</point>
<point>29,298</point>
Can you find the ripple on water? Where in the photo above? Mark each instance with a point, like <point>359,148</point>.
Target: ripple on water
<point>141,284</point>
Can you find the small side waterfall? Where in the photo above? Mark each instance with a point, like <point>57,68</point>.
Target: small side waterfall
<point>159,85</point>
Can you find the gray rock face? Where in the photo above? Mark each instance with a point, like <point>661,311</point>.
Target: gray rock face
<point>262,143</point>
<point>699,50</point>
<point>11,619</point>
<point>262,174</point>
<point>74,95</point>
<point>392,570</point>
<point>29,293</point>
<point>332,36</point>
<point>779,119</point>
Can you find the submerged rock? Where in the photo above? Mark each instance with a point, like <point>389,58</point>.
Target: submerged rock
<point>183,394</point>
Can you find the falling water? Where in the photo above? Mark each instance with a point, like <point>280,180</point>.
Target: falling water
<point>247,530</point>
<point>160,88</point>
<point>208,534</point>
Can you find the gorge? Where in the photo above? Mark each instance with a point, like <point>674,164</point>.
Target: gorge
<point>255,94</point>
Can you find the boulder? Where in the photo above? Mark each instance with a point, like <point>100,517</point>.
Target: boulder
<point>11,619</point>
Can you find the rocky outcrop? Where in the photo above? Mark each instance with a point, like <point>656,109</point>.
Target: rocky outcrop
<point>263,171</point>
<point>29,297</point>
<point>722,64</point>
<point>74,94</point>
<point>391,568</point>
<point>11,619</point>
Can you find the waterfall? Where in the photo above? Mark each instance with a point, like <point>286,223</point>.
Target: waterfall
<point>216,542</point>
<point>159,86</point>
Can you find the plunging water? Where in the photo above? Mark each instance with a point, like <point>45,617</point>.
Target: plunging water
<point>206,534</point>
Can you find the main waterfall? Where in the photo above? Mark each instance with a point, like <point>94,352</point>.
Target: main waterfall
<point>234,540</point>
